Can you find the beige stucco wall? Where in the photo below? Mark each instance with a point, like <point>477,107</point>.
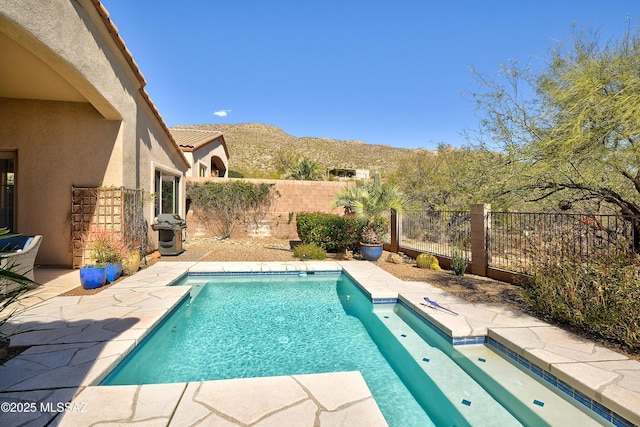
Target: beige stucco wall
<point>58,144</point>
<point>108,136</point>
<point>151,144</point>
<point>70,39</point>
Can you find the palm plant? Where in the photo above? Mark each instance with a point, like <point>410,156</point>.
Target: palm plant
<point>12,286</point>
<point>372,201</point>
<point>7,273</point>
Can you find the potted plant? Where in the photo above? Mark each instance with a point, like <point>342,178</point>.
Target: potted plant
<point>93,276</point>
<point>131,262</point>
<point>107,250</point>
<point>372,201</point>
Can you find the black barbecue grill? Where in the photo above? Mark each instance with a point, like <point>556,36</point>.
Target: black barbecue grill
<point>169,228</point>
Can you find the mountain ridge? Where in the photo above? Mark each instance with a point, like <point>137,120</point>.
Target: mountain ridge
<point>262,150</point>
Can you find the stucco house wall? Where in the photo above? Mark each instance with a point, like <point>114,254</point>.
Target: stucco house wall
<point>204,156</point>
<point>73,110</point>
<point>205,150</point>
<point>50,139</point>
<point>151,144</point>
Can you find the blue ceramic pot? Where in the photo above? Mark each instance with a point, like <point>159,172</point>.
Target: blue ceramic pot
<point>370,252</point>
<point>114,270</point>
<point>93,277</point>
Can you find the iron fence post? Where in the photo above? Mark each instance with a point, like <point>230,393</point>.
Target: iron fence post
<point>480,229</point>
<point>395,235</point>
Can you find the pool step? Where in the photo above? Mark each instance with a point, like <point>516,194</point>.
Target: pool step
<point>551,406</point>
<point>548,405</point>
<point>196,288</point>
<point>469,398</point>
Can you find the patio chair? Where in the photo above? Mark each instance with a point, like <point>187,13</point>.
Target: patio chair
<point>21,252</point>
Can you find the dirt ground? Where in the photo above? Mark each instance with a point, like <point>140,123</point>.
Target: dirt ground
<point>471,288</point>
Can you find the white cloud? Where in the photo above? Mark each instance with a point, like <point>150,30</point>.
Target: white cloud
<point>222,113</point>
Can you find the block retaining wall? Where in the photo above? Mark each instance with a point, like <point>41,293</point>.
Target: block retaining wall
<point>294,197</point>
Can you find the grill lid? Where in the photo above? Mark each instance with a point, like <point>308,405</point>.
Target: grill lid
<point>169,222</point>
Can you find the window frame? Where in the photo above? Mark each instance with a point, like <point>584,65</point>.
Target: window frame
<point>162,181</point>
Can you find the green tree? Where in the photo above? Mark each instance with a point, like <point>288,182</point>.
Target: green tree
<point>283,160</point>
<point>449,178</point>
<point>569,134</point>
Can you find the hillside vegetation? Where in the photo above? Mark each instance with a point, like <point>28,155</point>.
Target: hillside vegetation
<point>264,151</point>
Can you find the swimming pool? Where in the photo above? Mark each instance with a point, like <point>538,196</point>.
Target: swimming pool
<point>267,325</point>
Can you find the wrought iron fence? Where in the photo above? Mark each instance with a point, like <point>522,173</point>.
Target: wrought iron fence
<point>436,232</point>
<point>519,242</point>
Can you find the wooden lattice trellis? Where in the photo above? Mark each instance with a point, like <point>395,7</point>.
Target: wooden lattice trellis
<point>118,210</point>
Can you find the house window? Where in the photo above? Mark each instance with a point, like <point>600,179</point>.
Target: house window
<point>202,172</point>
<point>167,188</point>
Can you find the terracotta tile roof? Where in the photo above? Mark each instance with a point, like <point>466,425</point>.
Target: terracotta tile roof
<point>192,139</point>
<point>115,35</point>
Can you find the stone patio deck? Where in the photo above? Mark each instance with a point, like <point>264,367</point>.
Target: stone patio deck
<point>75,341</point>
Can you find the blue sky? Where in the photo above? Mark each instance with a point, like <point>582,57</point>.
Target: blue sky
<point>384,72</point>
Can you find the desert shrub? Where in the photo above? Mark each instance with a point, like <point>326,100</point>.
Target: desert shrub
<point>306,170</point>
<point>310,250</point>
<point>428,261</point>
<point>235,174</point>
<point>106,246</point>
<point>599,296</point>
<point>333,233</point>
<point>458,262</point>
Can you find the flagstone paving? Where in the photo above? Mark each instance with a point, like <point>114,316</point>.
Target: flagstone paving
<point>75,341</point>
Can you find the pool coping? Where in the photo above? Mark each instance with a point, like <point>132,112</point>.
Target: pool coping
<point>95,332</point>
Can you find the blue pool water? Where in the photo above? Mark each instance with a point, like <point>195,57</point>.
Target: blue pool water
<point>271,325</point>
